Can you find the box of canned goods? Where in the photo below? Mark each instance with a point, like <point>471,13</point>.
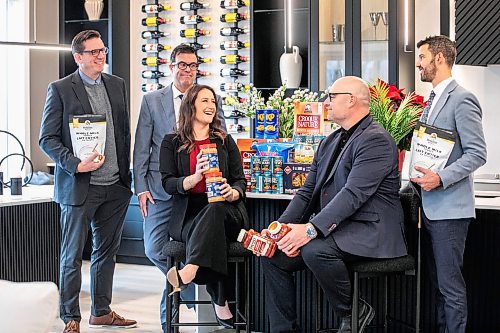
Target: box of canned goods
<point>277,165</point>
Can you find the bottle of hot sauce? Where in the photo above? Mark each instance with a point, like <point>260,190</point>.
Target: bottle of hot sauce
<point>255,242</point>
<point>277,231</point>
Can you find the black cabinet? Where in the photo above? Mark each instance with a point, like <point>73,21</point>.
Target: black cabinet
<point>365,38</point>
<point>268,40</point>
<point>113,26</point>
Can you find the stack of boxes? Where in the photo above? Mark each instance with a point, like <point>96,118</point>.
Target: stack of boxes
<point>266,174</point>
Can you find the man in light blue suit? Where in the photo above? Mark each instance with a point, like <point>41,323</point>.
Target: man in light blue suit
<point>158,116</point>
<point>448,195</point>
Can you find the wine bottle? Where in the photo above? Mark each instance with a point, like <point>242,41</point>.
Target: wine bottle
<point>197,46</point>
<point>152,9</point>
<point>202,60</point>
<point>232,59</point>
<point>234,4</point>
<point>233,72</point>
<point>147,87</point>
<point>233,97</point>
<point>202,73</point>
<point>194,19</point>
<point>154,34</point>
<point>232,86</point>
<point>234,45</point>
<point>153,74</point>
<point>153,47</point>
<point>191,33</point>
<point>154,61</point>
<point>193,5</point>
<point>233,31</point>
<point>233,17</point>
<point>154,21</point>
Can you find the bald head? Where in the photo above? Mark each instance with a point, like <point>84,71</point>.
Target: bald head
<point>356,86</point>
<point>350,101</point>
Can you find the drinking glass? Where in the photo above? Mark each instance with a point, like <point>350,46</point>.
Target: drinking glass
<point>374,19</point>
<point>385,21</point>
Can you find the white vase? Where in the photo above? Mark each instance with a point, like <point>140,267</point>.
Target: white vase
<point>94,9</point>
<point>291,68</point>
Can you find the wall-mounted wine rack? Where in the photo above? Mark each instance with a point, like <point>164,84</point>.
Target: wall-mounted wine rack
<point>220,33</point>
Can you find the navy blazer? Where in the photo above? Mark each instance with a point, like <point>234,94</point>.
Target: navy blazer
<point>66,97</point>
<point>358,200</point>
<point>174,167</point>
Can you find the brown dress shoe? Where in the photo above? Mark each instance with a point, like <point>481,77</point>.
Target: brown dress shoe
<point>111,320</point>
<point>72,326</point>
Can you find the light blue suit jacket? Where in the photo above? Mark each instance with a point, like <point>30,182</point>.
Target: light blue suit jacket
<point>458,110</point>
<point>156,119</point>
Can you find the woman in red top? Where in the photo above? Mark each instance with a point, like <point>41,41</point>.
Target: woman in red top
<point>206,228</point>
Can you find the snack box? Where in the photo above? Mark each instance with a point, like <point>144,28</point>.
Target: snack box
<point>294,176</point>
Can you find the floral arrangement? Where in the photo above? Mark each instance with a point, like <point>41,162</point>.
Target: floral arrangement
<point>396,111</point>
<point>284,105</point>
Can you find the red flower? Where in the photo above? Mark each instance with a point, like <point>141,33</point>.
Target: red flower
<point>419,100</point>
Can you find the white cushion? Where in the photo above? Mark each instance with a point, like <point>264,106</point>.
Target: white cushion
<point>28,306</point>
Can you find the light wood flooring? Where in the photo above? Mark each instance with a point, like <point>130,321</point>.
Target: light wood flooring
<point>136,295</point>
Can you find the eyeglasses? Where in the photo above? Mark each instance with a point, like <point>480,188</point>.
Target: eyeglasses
<point>184,65</point>
<point>332,95</point>
<point>96,52</point>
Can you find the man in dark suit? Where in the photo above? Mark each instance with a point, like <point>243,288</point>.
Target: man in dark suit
<point>448,195</point>
<point>348,209</point>
<point>94,191</point>
<point>158,117</point>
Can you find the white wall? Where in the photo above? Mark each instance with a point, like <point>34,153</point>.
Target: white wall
<point>484,82</point>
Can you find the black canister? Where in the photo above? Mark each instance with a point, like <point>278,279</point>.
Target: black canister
<point>16,186</point>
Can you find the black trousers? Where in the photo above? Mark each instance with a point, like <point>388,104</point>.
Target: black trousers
<point>206,235</point>
<point>104,211</point>
<point>327,263</point>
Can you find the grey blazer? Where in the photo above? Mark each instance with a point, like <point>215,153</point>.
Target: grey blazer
<point>458,110</point>
<point>68,96</point>
<point>358,200</point>
<point>156,119</point>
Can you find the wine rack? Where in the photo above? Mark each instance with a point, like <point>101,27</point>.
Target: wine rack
<point>201,28</point>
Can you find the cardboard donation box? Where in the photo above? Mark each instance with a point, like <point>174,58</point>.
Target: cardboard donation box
<point>309,118</point>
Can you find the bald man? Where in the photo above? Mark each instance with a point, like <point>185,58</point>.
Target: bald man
<point>347,210</point>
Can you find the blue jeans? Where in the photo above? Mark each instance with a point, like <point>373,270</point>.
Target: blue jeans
<point>443,249</point>
<point>104,210</point>
<point>155,237</point>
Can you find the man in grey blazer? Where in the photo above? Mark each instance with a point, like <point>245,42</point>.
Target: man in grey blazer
<point>348,209</point>
<point>448,195</point>
<point>158,116</point>
<point>92,192</point>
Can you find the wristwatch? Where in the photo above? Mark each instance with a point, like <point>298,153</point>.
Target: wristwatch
<point>311,231</point>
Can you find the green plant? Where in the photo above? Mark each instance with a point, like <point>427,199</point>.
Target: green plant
<point>396,111</point>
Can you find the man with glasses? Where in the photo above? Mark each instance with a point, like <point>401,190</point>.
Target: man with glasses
<point>158,116</point>
<point>94,191</point>
<point>347,210</point>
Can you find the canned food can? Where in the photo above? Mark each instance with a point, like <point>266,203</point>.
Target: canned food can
<point>277,165</point>
<point>271,124</point>
<point>265,164</point>
<point>255,164</point>
<point>210,152</point>
<point>279,184</point>
<point>266,185</point>
<point>214,182</point>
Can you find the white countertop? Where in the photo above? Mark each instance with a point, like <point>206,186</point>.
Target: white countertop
<point>45,193</point>
<point>31,194</point>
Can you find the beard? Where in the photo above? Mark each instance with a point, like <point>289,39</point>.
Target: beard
<point>429,73</point>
